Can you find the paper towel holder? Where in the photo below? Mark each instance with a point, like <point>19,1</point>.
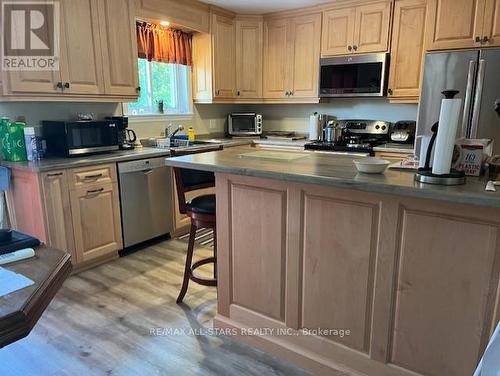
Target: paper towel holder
<point>424,174</point>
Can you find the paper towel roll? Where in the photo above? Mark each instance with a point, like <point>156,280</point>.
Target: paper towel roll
<point>446,135</point>
<point>314,127</point>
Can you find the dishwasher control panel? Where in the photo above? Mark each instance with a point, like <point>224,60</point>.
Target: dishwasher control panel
<point>141,164</point>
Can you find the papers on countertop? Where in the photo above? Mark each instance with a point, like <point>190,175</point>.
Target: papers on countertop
<point>11,281</point>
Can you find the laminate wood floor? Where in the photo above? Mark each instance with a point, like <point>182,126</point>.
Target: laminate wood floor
<point>100,324</point>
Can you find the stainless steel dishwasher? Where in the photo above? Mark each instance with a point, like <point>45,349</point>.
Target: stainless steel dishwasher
<point>146,200</point>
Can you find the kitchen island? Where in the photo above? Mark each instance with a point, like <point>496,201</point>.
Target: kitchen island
<point>346,273</point>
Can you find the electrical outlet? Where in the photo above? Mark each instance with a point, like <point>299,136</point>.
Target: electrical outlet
<point>212,124</point>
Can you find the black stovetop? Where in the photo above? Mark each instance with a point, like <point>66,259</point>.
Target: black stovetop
<point>340,147</point>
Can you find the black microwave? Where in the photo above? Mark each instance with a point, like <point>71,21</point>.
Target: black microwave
<point>76,138</point>
<point>354,76</point>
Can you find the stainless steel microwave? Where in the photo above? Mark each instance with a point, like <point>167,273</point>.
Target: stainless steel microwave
<point>244,124</point>
<point>354,76</point>
<point>75,138</point>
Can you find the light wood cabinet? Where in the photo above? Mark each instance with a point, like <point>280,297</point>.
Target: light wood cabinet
<point>223,34</point>
<point>58,221</point>
<point>491,28</point>
<point>338,31</point>
<point>305,46</point>
<point>249,34</point>
<point>227,64</point>
<point>276,58</point>
<point>98,56</point>
<point>119,47</point>
<point>76,210</point>
<point>81,68</point>
<point>407,49</point>
<point>291,57</point>
<point>455,24</point>
<point>356,29</point>
<point>96,221</point>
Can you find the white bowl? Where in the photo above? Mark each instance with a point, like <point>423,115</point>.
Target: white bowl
<point>371,165</point>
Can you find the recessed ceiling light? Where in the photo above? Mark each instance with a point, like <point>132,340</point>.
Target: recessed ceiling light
<point>164,23</point>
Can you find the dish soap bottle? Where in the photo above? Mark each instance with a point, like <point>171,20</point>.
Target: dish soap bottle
<point>191,134</point>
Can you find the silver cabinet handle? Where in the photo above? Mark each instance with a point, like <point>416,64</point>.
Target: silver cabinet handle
<point>468,97</point>
<point>147,171</point>
<point>477,98</point>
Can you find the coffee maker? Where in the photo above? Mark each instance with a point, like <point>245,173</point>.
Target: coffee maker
<point>126,137</point>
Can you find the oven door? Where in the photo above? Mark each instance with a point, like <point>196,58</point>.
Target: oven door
<point>244,124</point>
<point>354,76</point>
<point>86,137</point>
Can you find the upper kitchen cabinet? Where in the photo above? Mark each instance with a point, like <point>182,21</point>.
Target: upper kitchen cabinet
<point>119,47</point>
<point>356,29</point>
<point>338,35</point>
<point>291,58</point>
<point>224,70</point>
<point>305,46</point>
<point>98,56</point>
<point>407,49</point>
<point>276,58</point>
<point>227,63</point>
<point>81,71</point>
<point>491,28</point>
<point>456,24</point>
<point>249,34</point>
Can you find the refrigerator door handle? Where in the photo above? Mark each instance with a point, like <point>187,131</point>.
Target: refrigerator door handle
<point>468,98</point>
<point>477,99</point>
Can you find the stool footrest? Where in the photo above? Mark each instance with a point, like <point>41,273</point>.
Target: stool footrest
<point>200,280</point>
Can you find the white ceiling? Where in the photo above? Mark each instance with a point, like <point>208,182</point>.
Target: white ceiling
<point>262,6</point>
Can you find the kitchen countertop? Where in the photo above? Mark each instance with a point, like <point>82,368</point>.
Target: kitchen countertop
<point>49,164</point>
<point>58,163</point>
<point>336,171</point>
<point>395,148</point>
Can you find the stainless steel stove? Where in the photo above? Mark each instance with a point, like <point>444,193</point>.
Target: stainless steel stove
<point>355,136</point>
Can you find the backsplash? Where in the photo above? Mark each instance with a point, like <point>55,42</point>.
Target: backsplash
<point>211,118</point>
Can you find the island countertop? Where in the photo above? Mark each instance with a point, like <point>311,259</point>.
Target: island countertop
<point>335,170</point>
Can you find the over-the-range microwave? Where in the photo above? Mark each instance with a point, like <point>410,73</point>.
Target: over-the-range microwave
<point>354,76</point>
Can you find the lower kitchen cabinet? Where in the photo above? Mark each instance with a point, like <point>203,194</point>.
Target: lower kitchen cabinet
<point>76,210</point>
<point>57,216</point>
<point>95,214</point>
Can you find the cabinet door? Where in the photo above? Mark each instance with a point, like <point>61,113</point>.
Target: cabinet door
<point>119,47</point>
<point>249,58</point>
<point>407,48</point>
<point>96,221</point>
<point>454,24</point>
<point>338,31</point>
<point>81,65</point>
<point>224,57</point>
<point>491,28</point>
<point>36,82</point>
<point>305,33</point>
<point>276,55</point>
<point>58,221</point>
<point>371,33</point>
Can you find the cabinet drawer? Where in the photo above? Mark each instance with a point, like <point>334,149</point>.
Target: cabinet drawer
<point>81,177</point>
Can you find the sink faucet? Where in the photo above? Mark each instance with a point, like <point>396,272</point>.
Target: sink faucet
<point>170,134</point>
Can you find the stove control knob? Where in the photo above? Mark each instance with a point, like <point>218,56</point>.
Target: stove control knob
<point>377,127</point>
<point>383,127</point>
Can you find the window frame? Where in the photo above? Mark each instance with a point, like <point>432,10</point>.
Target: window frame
<point>159,117</point>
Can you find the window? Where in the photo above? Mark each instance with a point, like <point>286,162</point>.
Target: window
<point>164,90</point>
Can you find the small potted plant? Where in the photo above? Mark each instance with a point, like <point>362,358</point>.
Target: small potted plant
<point>160,104</point>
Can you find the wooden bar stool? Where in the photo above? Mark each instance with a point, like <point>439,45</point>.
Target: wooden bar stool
<point>201,210</point>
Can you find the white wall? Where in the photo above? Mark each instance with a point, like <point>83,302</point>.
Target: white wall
<point>211,118</point>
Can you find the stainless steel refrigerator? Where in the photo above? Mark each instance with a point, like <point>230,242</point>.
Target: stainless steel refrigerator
<point>476,74</point>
